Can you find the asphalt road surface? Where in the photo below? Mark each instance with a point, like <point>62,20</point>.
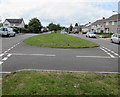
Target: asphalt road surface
<point>17,56</point>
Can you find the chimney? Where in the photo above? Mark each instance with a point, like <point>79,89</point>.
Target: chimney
<point>103,18</point>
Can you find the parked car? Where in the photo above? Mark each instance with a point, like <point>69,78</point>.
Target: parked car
<point>4,31</point>
<point>115,38</point>
<point>63,32</point>
<point>91,35</point>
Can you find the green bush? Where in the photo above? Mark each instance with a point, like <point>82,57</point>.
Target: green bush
<point>20,30</point>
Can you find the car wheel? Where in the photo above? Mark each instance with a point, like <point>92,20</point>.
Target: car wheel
<point>111,41</point>
<point>14,35</point>
<point>119,43</point>
<point>8,35</point>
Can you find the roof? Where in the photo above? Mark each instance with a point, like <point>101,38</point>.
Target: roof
<point>114,17</point>
<point>77,27</point>
<point>19,21</point>
<point>99,21</point>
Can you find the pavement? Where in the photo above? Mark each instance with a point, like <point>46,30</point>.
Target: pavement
<point>17,56</point>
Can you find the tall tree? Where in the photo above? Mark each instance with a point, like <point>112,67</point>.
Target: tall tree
<point>54,27</point>
<point>71,27</point>
<point>34,25</point>
<point>76,24</point>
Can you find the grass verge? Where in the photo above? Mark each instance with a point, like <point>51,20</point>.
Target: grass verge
<point>60,83</point>
<point>59,40</point>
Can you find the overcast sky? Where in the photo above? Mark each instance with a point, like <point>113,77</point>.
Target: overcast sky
<point>63,12</point>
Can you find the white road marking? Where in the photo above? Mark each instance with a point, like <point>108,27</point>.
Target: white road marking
<point>111,55</point>
<point>93,57</point>
<point>1,63</point>
<point>1,55</point>
<point>9,55</point>
<point>34,54</point>
<point>5,72</point>
<point>11,48</point>
<point>107,52</point>
<point>4,59</point>
<point>111,51</point>
<point>63,71</point>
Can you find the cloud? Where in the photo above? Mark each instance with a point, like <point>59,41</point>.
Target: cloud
<point>58,11</point>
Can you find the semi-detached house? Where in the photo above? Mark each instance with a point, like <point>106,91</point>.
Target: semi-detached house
<point>14,23</point>
<point>109,25</point>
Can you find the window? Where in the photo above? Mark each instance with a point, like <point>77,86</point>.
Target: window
<point>6,25</point>
<point>16,24</point>
<point>118,22</point>
<point>107,23</point>
<point>4,29</point>
<point>113,23</point>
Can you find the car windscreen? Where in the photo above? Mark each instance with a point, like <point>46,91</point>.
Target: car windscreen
<point>91,33</point>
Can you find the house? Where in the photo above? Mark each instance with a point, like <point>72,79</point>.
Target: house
<point>109,25</point>
<point>86,27</point>
<point>112,24</point>
<point>77,28</point>
<point>14,23</point>
<point>44,29</point>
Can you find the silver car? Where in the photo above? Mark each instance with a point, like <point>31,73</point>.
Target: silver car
<point>115,38</point>
<point>91,35</point>
<point>4,31</point>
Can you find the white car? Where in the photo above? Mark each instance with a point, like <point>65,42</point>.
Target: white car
<point>63,32</point>
<point>4,31</point>
<point>115,38</point>
<point>91,35</point>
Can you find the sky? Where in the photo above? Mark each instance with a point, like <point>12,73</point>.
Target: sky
<point>63,12</point>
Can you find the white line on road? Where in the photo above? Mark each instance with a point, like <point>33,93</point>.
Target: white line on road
<point>93,57</point>
<point>111,51</point>
<point>11,48</point>
<point>107,52</point>
<point>63,71</point>
<point>9,55</point>
<point>4,59</point>
<point>1,55</point>
<point>5,72</point>
<point>1,63</point>
<point>34,54</point>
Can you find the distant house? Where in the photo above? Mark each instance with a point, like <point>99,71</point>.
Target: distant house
<point>109,25</point>
<point>77,28</point>
<point>112,23</point>
<point>98,26</point>
<point>86,27</point>
<point>14,23</point>
<point>44,29</point>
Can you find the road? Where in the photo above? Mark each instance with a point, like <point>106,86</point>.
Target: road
<point>17,56</point>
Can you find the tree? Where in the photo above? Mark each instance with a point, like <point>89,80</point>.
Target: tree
<point>76,24</point>
<point>71,27</point>
<point>54,27</point>
<point>34,26</point>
